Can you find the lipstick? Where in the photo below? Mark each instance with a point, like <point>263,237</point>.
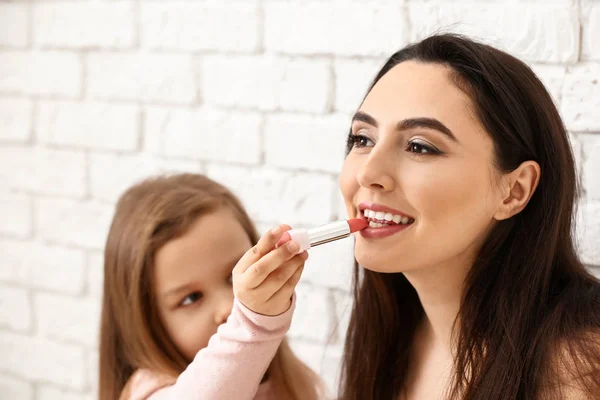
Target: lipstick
<point>308,238</point>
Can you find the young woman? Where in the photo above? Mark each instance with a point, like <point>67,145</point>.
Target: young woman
<point>469,285</point>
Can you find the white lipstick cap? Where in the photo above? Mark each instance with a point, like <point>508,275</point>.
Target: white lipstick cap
<point>301,237</point>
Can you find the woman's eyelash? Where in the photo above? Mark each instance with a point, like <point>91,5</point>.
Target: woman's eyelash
<point>412,146</point>
<point>421,149</point>
<point>356,141</point>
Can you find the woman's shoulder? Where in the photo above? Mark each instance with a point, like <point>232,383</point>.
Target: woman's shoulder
<point>572,362</point>
<point>573,367</point>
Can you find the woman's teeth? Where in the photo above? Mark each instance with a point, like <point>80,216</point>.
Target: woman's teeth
<point>378,219</point>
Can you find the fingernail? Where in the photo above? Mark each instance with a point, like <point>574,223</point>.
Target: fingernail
<point>304,255</point>
<point>276,231</point>
<point>293,246</point>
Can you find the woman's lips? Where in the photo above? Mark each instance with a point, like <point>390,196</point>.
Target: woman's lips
<point>384,231</point>
<point>384,221</point>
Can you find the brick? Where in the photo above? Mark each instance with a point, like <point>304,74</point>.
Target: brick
<point>15,120</point>
<point>89,125</point>
<point>42,360</point>
<point>92,360</point>
<point>206,134</point>
<point>66,318</point>
<point>16,214</point>
<point>167,78</point>
<point>46,171</point>
<point>306,86</point>
<point>42,266</point>
<point>352,80</point>
<point>577,149</point>
<point>95,275</point>
<point>299,141</point>
<point>588,232</point>
<point>14,25</point>
<point>590,13</point>
<point>195,26</point>
<point>40,73</point>
<point>581,98</point>
<point>331,265</point>
<point>590,144</point>
<point>15,308</point>
<point>12,388</point>
<point>47,392</point>
<point>312,317</point>
<point>528,31</point>
<point>267,83</point>
<point>340,205</point>
<point>279,197</point>
<point>84,25</point>
<point>112,174</point>
<point>553,78</point>
<point>312,30</point>
<point>70,222</point>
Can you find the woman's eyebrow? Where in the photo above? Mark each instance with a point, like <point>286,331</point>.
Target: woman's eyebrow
<point>410,123</point>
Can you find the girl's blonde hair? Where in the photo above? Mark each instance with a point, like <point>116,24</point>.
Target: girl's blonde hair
<point>147,216</point>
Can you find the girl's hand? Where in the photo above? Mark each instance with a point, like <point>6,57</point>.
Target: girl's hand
<point>265,278</point>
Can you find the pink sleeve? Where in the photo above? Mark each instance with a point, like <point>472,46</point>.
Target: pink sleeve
<point>235,360</point>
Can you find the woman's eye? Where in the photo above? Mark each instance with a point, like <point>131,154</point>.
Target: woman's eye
<point>421,148</point>
<point>191,298</point>
<point>358,141</point>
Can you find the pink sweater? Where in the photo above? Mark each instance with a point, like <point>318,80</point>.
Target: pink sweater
<point>230,367</point>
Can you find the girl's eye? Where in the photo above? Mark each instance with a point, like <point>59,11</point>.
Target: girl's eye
<point>191,298</point>
<point>358,141</point>
<point>421,148</point>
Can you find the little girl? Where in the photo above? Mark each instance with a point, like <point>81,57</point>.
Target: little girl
<point>171,327</point>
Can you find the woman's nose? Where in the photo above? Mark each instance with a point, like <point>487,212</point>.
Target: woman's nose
<point>376,173</point>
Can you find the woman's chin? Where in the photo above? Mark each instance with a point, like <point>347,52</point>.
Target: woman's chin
<point>379,263</point>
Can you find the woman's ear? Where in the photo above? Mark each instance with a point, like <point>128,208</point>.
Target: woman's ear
<point>518,187</point>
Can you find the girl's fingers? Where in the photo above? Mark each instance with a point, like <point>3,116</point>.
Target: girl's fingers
<point>258,272</point>
<point>285,292</point>
<point>265,244</point>
<point>278,278</point>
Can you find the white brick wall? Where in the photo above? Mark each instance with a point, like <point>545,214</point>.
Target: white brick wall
<point>269,83</point>
<point>13,29</point>
<point>16,214</point>
<point>96,94</point>
<point>12,388</point>
<point>15,120</point>
<point>168,78</point>
<point>534,30</point>
<point>84,25</point>
<point>40,73</point>
<point>179,25</point>
<point>99,126</point>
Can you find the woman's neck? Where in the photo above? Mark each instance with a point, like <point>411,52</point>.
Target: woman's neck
<point>440,291</point>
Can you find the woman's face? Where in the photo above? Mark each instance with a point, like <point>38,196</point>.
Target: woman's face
<point>420,169</point>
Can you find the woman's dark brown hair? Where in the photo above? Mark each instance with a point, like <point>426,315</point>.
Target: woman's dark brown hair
<point>529,322</point>
<point>148,215</point>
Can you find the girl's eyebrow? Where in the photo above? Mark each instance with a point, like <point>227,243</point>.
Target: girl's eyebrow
<point>410,123</point>
<point>177,290</point>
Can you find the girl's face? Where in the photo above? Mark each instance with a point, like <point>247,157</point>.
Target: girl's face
<point>421,159</point>
<point>193,279</point>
